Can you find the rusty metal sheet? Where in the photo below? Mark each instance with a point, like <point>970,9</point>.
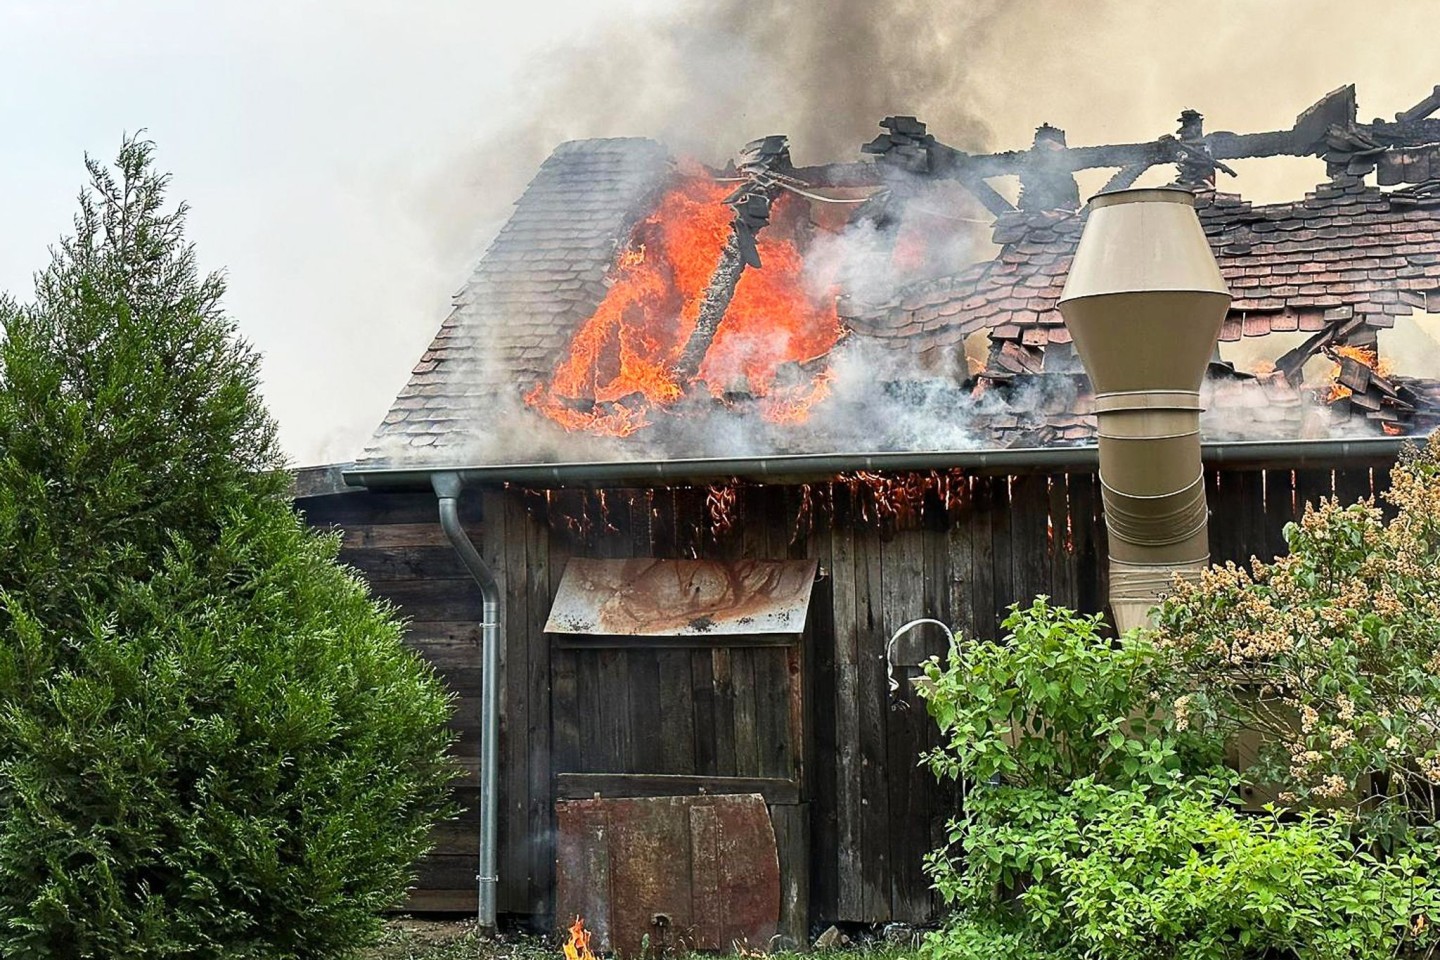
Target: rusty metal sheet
<point>668,598</point>
<point>689,873</point>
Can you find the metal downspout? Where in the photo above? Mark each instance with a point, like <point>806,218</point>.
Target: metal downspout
<point>447,488</point>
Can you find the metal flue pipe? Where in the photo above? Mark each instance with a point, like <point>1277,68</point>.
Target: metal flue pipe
<point>1144,303</point>
<point>447,488</point>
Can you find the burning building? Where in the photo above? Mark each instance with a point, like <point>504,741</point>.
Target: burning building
<point>702,439</point>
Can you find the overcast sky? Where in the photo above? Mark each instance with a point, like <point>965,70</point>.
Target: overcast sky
<point>345,160</point>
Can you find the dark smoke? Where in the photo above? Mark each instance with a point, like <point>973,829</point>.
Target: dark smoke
<point>710,75</point>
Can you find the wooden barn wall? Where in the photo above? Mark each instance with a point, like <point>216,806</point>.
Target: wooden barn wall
<point>960,551</point>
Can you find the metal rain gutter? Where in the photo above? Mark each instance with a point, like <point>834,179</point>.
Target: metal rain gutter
<point>447,487</point>
<point>1289,454</point>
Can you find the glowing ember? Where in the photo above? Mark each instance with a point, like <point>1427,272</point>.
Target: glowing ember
<point>578,946</point>
<point>1368,356</point>
<point>620,367</point>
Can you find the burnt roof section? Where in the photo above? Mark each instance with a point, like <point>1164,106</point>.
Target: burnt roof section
<point>1336,266</point>
<point>543,274</point>
<point>1345,256</point>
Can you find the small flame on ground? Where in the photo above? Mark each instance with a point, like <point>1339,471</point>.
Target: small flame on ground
<point>578,946</point>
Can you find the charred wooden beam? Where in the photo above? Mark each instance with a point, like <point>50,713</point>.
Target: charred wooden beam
<point>1422,109</point>
<point>751,203</point>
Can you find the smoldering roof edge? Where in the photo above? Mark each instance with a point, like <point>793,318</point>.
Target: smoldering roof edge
<point>1281,454</point>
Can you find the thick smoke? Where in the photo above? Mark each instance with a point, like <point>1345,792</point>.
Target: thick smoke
<point>709,76</point>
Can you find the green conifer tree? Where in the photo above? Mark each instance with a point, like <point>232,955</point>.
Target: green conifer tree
<point>212,741</point>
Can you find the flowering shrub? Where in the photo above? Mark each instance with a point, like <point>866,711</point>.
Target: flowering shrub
<point>1100,821</point>
<point>1329,657</point>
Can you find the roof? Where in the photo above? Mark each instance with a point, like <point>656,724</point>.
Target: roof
<point>1344,251</point>
<point>1338,265</point>
<point>542,275</point>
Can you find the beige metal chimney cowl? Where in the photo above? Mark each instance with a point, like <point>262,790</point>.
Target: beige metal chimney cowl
<point>1144,303</point>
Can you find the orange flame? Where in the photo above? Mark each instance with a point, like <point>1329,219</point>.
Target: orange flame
<point>620,367</point>
<point>578,946</point>
<point>1368,356</point>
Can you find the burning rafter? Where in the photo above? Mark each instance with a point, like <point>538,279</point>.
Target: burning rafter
<point>751,203</point>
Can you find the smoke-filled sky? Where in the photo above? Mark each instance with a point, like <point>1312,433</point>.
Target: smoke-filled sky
<point>347,160</point>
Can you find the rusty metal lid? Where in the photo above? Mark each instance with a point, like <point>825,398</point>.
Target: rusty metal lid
<point>647,597</point>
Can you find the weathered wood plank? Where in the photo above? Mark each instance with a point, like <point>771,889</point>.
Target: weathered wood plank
<point>565,706</point>
<point>514,860</point>
<point>647,741</point>
<point>871,694</point>
<point>912,802</point>
<point>1030,538</point>
<point>792,843</point>
<point>723,686</point>
<point>453,599</point>
<point>375,507</point>
<point>426,534</point>
<point>747,707</point>
<point>616,732</point>
<point>849,852</point>
<point>539,739</point>
<point>1278,494</point>
<point>702,697</point>
<point>677,713</point>
<point>437,562</point>
<point>983,563</point>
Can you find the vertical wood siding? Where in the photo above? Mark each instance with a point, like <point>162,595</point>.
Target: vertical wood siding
<point>869,811</point>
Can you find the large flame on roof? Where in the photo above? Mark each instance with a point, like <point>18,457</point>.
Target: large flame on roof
<point>621,364</point>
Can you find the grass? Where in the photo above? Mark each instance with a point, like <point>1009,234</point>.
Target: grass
<point>410,939</point>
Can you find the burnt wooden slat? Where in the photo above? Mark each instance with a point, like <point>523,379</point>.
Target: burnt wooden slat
<point>1310,487</point>
<point>581,786</point>
<point>1352,484</point>
<point>663,540</point>
<point>1085,533</point>
<point>1379,484</point>
<point>1278,493</point>
<point>959,563</point>
<point>1029,538</point>
<point>1064,565</point>
<point>1002,541</point>
<point>982,567</point>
